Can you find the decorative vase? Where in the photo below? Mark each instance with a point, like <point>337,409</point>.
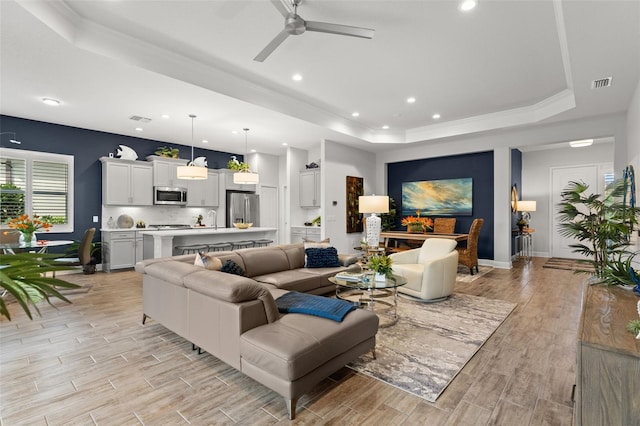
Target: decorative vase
<point>415,228</point>
<point>28,238</point>
<point>380,277</point>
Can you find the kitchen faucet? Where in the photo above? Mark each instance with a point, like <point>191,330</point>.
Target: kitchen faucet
<point>214,222</point>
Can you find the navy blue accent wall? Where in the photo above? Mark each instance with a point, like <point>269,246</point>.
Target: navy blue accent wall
<point>87,146</point>
<point>478,166</point>
<point>516,178</point>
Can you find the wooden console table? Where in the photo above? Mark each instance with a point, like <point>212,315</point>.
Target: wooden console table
<point>402,235</point>
<point>608,359</point>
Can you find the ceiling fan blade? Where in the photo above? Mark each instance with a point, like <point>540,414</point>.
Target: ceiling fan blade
<point>277,41</point>
<point>281,7</point>
<point>324,27</point>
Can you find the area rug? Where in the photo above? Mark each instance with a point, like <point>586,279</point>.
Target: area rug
<point>430,343</point>
<point>464,276</point>
<point>567,264</point>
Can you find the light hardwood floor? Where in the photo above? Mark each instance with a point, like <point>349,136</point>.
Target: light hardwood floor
<point>92,362</point>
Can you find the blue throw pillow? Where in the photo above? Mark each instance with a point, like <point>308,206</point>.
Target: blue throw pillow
<point>231,267</point>
<point>322,257</point>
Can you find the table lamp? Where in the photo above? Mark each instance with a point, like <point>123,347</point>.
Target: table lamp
<point>526,207</point>
<point>373,204</point>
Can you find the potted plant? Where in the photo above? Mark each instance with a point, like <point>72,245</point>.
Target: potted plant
<point>168,152</point>
<point>23,276</point>
<point>237,166</point>
<point>381,265</point>
<point>602,225</point>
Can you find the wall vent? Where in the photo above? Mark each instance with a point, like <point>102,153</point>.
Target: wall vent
<point>140,119</point>
<point>601,82</point>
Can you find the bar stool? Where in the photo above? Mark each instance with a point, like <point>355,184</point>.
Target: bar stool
<point>241,244</point>
<point>220,246</point>
<point>262,243</point>
<point>194,248</point>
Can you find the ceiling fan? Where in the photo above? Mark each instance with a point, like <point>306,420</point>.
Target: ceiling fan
<point>295,25</point>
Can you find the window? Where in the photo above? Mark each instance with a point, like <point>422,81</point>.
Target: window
<point>37,183</point>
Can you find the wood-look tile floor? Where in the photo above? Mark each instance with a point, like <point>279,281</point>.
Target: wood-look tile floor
<point>92,362</point>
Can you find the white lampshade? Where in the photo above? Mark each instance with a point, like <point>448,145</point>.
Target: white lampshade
<point>526,206</point>
<point>373,204</point>
<point>192,172</point>
<point>246,178</point>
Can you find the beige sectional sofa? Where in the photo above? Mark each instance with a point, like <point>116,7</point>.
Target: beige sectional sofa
<point>235,318</point>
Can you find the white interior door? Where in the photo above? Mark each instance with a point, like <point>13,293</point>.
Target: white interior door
<point>592,175</point>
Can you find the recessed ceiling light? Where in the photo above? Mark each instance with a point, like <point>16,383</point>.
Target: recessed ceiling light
<point>165,116</point>
<point>467,5</point>
<point>385,127</point>
<point>355,114</point>
<point>296,77</point>
<point>51,101</point>
<point>435,116</point>
<point>411,100</point>
<point>284,144</point>
<point>138,129</point>
<point>205,141</point>
<point>581,143</point>
<point>235,132</point>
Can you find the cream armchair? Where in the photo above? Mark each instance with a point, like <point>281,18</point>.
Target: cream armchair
<point>430,270</point>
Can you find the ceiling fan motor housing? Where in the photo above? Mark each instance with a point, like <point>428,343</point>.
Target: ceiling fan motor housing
<point>294,24</point>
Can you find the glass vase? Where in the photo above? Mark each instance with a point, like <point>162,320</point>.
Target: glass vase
<point>28,238</point>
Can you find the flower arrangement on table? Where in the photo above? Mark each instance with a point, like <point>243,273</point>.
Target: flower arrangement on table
<point>28,226</point>
<point>417,224</point>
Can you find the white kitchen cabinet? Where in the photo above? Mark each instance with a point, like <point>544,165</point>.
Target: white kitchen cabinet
<point>310,188</point>
<point>126,183</point>
<point>165,171</point>
<point>204,193</point>
<point>299,233</point>
<point>120,249</point>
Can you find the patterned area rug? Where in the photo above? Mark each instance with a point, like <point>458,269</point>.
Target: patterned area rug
<point>465,277</point>
<point>430,344</point>
<point>567,264</point>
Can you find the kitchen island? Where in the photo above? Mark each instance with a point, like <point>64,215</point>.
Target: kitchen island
<point>161,243</point>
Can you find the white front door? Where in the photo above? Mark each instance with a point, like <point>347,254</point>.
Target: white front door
<point>592,175</point>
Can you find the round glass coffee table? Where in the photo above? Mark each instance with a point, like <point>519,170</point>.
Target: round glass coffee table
<point>365,292</point>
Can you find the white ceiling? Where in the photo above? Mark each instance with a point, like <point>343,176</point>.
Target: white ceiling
<point>506,63</point>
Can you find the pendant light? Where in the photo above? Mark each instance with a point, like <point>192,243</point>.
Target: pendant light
<point>191,171</point>
<point>246,177</point>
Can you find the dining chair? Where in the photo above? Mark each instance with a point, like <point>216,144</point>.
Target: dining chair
<point>84,251</point>
<point>444,225</point>
<point>468,256</point>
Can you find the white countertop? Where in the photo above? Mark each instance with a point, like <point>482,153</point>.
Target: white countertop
<point>208,230</point>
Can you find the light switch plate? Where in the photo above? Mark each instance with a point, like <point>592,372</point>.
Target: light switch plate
<point>95,219</point>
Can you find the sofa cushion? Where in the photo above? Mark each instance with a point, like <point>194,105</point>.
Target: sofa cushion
<point>171,271</point>
<point>295,280</point>
<point>322,257</point>
<point>263,260</point>
<point>231,267</point>
<point>296,344</point>
<point>295,255</point>
<point>231,288</point>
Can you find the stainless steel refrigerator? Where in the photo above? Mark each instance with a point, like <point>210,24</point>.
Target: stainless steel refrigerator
<point>243,207</point>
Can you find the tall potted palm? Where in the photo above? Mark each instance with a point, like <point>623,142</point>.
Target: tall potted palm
<point>24,277</point>
<point>601,224</point>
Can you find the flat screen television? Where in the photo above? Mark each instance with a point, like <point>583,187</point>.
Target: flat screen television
<point>443,197</point>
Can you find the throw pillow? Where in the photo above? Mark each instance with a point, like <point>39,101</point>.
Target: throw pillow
<point>231,267</point>
<point>322,257</point>
<point>325,241</point>
<point>208,261</point>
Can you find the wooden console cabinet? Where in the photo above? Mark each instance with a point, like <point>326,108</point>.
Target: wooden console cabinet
<point>608,359</point>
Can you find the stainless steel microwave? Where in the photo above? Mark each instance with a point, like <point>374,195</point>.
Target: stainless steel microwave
<point>166,195</point>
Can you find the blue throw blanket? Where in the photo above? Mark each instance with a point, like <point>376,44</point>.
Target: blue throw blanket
<point>302,303</point>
